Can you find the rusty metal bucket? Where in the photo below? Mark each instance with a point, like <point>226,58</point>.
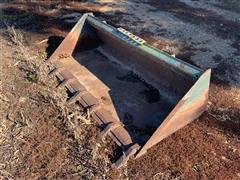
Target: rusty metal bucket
<point>138,94</point>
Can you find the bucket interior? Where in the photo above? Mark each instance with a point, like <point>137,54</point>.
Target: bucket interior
<point>138,88</point>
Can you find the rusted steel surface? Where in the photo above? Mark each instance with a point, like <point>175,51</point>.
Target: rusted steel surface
<point>93,63</point>
<point>188,108</point>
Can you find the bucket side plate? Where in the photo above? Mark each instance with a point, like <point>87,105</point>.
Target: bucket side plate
<point>190,107</point>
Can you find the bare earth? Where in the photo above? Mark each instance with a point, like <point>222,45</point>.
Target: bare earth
<point>42,138</point>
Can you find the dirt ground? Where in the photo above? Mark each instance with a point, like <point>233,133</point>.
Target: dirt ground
<point>43,138</point>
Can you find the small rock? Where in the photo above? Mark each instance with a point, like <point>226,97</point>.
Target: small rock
<point>224,158</point>
<point>22,99</point>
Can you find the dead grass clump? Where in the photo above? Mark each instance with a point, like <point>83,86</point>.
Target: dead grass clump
<point>33,65</point>
<point>22,52</point>
<point>35,68</point>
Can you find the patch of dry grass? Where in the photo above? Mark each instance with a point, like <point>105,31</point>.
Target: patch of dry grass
<point>33,65</point>
<point>41,137</point>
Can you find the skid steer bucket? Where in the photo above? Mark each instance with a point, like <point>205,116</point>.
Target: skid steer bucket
<point>138,94</point>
